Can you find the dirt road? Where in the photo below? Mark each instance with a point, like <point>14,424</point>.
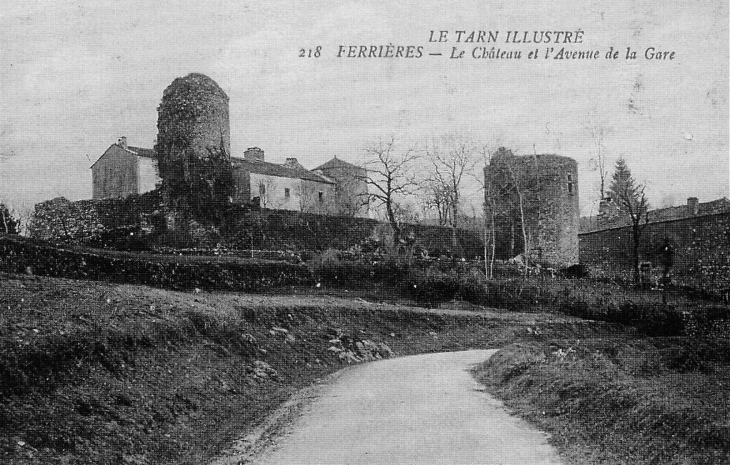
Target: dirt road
<point>424,409</point>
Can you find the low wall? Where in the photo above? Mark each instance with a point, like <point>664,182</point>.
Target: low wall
<point>117,223</point>
<point>24,255</point>
<point>701,250</point>
<point>278,229</point>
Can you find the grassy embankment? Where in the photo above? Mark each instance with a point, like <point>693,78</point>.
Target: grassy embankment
<point>92,372</point>
<point>660,396</point>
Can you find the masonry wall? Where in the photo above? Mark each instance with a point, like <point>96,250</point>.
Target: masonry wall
<point>352,190</point>
<point>701,250</point>
<point>147,175</point>
<point>548,185</point>
<point>94,222</point>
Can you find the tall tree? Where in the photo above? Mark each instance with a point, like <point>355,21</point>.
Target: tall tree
<point>598,133</point>
<point>389,173</point>
<point>452,157</point>
<point>631,202</point>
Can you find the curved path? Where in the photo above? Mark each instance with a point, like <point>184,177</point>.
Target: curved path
<point>424,409</point>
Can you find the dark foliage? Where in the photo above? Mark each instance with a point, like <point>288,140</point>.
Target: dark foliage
<point>23,255</point>
<point>8,224</point>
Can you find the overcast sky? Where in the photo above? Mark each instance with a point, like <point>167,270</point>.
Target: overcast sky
<point>75,76</point>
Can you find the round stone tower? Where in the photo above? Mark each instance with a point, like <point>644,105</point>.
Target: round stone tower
<point>194,150</point>
<point>542,190</point>
<point>193,120</point>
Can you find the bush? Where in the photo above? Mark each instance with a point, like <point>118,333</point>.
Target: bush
<point>432,286</point>
<point>327,267</point>
<point>473,287</point>
<point>18,255</point>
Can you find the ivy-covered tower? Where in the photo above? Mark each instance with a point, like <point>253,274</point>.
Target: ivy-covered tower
<point>194,146</point>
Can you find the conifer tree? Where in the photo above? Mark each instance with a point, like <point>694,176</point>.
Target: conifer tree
<point>630,199</point>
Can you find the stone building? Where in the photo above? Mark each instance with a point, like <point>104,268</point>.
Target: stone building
<point>351,189</point>
<point>533,197</point>
<point>193,130</point>
<point>124,170</point>
<point>281,187</point>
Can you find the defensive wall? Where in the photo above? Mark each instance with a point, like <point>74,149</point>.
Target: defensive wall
<point>140,219</point>
<point>701,250</point>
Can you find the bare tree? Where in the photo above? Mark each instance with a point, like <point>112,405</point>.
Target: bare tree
<point>598,133</point>
<point>452,157</point>
<point>484,153</point>
<point>436,199</point>
<point>631,201</point>
<point>389,173</point>
<point>266,192</point>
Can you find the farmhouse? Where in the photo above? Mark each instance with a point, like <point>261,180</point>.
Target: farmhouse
<point>195,111</point>
<point>334,188</point>
<point>124,170</point>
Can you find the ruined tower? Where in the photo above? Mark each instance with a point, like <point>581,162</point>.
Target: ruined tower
<point>540,193</point>
<point>193,120</point>
<point>194,146</point>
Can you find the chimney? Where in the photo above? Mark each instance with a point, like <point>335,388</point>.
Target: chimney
<point>253,154</point>
<point>693,206</point>
<point>292,163</point>
<point>122,142</point>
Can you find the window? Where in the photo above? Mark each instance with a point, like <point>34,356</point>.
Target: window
<point>570,183</point>
<point>287,192</point>
<point>262,188</point>
<point>321,196</point>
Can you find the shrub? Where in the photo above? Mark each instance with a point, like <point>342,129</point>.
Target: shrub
<point>432,286</point>
<point>327,267</point>
<point>473,287</point>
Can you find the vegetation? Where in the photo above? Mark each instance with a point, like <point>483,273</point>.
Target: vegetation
<point>389,176</point>
<point>631,200</point>
<point>619,399</point>
<point>99,373</point>
<point>197,180</point>
<point>8,223</point>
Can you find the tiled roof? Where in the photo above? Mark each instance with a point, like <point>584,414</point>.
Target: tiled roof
<point>147,153</point>
<point>262,167</point>
<point>722,205</point>
<point>335,163</point>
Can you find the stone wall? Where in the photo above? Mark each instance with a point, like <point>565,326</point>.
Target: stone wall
<point>548,187</point>
<point>118,222</point>
<point>92,221</point>
<point>701,250</point>
<point>287,230</point>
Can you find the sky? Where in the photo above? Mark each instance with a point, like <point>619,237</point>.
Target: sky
<point>76,76</point>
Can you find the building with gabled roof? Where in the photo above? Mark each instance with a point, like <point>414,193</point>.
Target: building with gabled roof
<point>124,170</point>
<point>281,187</point>
<point>351,193</point>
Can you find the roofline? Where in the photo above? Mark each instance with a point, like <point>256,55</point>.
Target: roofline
<point>123,148</point>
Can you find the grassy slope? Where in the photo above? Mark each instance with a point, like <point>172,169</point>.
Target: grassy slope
<point>621,400</point>
<point>100,373</point>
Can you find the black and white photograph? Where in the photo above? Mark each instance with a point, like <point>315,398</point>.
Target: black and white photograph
<point>364,232</point>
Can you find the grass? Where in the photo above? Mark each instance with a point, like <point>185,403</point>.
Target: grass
<point>93,372</point>
<point>620,400</point>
